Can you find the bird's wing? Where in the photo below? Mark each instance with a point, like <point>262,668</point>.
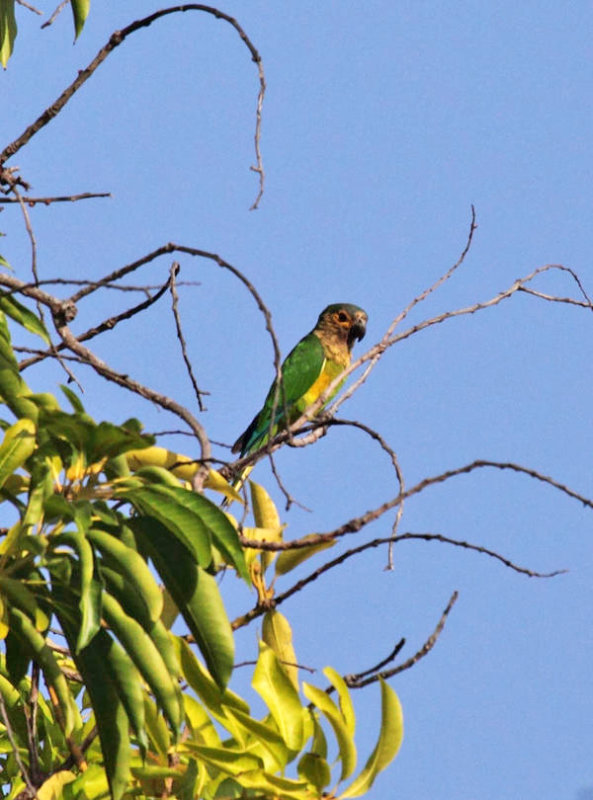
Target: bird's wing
<point>300,370</point>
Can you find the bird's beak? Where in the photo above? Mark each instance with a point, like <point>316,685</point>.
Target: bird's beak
<point>358,329</point>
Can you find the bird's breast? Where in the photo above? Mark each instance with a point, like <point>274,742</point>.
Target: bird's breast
<point>329,372</point>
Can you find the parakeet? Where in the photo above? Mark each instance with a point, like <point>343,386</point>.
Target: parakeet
<point>306,372</point>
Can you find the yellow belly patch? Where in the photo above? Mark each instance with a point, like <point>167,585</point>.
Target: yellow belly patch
<point>328,373</point>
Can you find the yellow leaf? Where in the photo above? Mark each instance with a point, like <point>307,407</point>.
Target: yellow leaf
<point>215,481</point>
<point>266,518</point>
<point>4,628</point>
<point>264,510</point>
<point>11,538</point>
<point>51,789</point>
<point>182,466</point>
<point>77,468</point>
<point>277,634</point>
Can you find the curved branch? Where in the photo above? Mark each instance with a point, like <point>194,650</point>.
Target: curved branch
<point>115,40</point>
<point>356,524</point>
<point>423,651</point>
<point>389,541</point>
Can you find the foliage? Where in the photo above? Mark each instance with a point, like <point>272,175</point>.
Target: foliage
<point>117,648</point>
<point>8,26</point>
<point>100,517</point>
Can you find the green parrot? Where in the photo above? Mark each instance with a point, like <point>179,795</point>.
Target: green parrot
<point>307,371</point>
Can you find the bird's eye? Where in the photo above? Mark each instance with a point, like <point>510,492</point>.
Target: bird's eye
<point>342,316</point>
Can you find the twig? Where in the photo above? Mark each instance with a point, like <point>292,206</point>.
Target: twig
<point>290,500</point>
<point>31,235</point>
<point>115,40</point>
<point>46,201</point>
<point>63,311</point>
<point>423,651</point>
<point>175,308</point>
<point>86,743</point>
<point>55,14</point>
<point>171,247</point>
<point>30,710</point>
<point>106,325</point>
<point>355,678</point>
<point>398,473</point>
<point>29,7</point>
<point>32,239</point>
<point>15,749</point>
<point>311,670</point>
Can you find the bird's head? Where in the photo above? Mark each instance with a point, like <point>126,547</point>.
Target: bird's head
<point>345,321</point>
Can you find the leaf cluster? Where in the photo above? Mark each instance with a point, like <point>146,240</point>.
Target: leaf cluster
<point>108,546</point>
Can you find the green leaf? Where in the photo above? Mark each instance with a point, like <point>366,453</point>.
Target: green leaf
<point>89,586</point>
<point>7,31</point>
<point>333,715</point>
<point>73,399</point>
<point>20,313</point>
<point>18,444</point>
<point>80,11</point>
<point>108,440</point>
<point>156,728</point>
<point>110,714</point>
<point>217,701</point>
<point>388,744</point>
<point>19,595</point>
<point>13,389</point>
<point>315,770</point>
<point>268,736</point>
<point>224,534</point>
<point>186,787</point>
<point>18,658</point>
<point>143,652</point>
<point>319,742</point>
<point>230,761</point>
<point>127,682</point>
<point>21,625</point>
<point>3,261</point>
<point>134,569</point>
<point>194,519</point>
<point>195,593</point>
<point>274,686</point>
<point>202,727</point>
<point>275,786</point>
<point>174,514</point>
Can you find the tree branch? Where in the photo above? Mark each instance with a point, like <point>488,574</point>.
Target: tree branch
<point>115,40</point>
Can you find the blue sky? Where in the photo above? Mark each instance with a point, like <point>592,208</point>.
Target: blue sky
<point>382,124</point>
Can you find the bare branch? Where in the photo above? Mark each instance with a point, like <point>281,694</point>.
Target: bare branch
<point>398,473</point>
<point>115,40</point>
<point>423,651</point>
<point>106,325</point>
<point>62,313</point>
<point>356,524</point>
<point>29,7</point>
<point>55,14</point>
<point>352,680</point>
<point>46,201</point>
<point>175,308</point>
